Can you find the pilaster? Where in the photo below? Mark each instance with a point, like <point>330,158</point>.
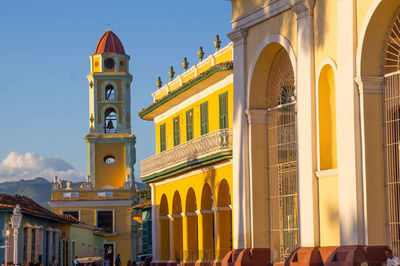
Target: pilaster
<point>241,182</point>
<point>351,208</point>
<point>306,131</point>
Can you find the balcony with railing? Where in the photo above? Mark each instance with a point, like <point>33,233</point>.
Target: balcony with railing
<point>190,152</point>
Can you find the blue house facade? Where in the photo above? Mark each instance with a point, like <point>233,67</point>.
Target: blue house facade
<point>41,236</point>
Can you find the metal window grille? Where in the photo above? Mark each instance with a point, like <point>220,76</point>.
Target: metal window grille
<point>282,159</point>
<point>392,153</point>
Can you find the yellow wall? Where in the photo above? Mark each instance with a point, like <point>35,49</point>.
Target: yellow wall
<point>211,176</point>
<point>327,119</point>
<point>325,33</point>
<point>241,7</point>
<point>114,174</point>
<point>122,225</point>
<point>96,64</point>
<point>329,211</point>
<point>213,117</point>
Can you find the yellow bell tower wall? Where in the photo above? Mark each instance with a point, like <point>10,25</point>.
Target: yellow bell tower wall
<point>110,174</point>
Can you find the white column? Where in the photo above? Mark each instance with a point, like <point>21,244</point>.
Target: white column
<point>348,129</point>
<point>306,131</point>
<point>57,243</point>
<point>50,246</point>
<point>241,183</point>
<point>368,86</point>
<point>15,260</point>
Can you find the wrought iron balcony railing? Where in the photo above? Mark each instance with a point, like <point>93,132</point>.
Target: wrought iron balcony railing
<point>208,144</point>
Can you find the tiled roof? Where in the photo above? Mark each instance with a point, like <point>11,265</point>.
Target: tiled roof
<point>109,43</point>
<point>30,206</point>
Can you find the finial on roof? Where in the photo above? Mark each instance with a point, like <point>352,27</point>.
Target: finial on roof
<point>108,26</point>
<point>159,83</point>
<point>217,43</point>
<point>171,73</point>
<point>200,53</point>
<point>185,64</point>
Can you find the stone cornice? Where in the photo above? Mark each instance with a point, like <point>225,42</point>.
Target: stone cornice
<point>256,116</point>
<point>303,8</point>
<point>369,85</point>
<point>270,9</point>
<point>238,36</point>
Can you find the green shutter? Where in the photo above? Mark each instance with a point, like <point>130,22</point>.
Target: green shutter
<point>177,133</point>
<point>204,118</point>
<point>223,110</point>
<point>162,138</point>
<point>189,125</point>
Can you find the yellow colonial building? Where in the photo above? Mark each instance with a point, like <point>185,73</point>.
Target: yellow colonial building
<point>315,131</point>
<point>106,196</point>
<point>191,173</point>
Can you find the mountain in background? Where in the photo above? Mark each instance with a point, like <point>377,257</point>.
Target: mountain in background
<point>39,189</point>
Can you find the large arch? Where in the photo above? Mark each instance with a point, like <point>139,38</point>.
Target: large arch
<point>164,229</point>
<point>223,220</point>
<point>176,220</point>
<point>370,70</point>
<point>266,115</point>
<point>191,227</point>
<point>206,225</point>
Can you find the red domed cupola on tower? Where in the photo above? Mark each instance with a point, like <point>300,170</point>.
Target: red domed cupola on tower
<point>109,43</point>
<point>109,55</point>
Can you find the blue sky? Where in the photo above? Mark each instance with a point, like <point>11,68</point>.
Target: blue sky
<point>44,47</point>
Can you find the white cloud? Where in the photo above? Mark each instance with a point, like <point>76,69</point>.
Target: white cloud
<point>30,165</point>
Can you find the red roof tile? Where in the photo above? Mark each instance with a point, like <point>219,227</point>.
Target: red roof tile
<point>30,206</point>
<point>109,43</point>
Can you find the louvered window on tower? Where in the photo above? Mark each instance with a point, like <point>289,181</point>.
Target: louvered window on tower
<point>110,93</point>
<point>110,121</point>
<point>105,220</point>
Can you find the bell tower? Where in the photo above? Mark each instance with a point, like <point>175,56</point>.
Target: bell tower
<point>111,146</point>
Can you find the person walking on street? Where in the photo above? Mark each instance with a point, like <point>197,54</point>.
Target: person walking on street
<point>391,260</point>
<point>118,261</point>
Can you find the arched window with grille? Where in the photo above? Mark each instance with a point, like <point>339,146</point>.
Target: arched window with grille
<point>392,132</point>
<point>282,157</point>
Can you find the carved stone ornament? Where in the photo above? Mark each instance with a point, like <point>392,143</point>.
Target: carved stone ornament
<point>91,84</point>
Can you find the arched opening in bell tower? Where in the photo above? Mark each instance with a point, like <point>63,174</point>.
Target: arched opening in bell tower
<point>110,121</point>
<point>110,93</point>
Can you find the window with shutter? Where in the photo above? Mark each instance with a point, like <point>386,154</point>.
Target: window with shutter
<point>223,110</point>
<point>162,138</point>
<point>204,118</point>
<point>189,124</point>
<point>177,133</point>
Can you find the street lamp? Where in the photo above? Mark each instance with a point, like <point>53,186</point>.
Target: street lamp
<point>5,232</point>
<point>16,223</point>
